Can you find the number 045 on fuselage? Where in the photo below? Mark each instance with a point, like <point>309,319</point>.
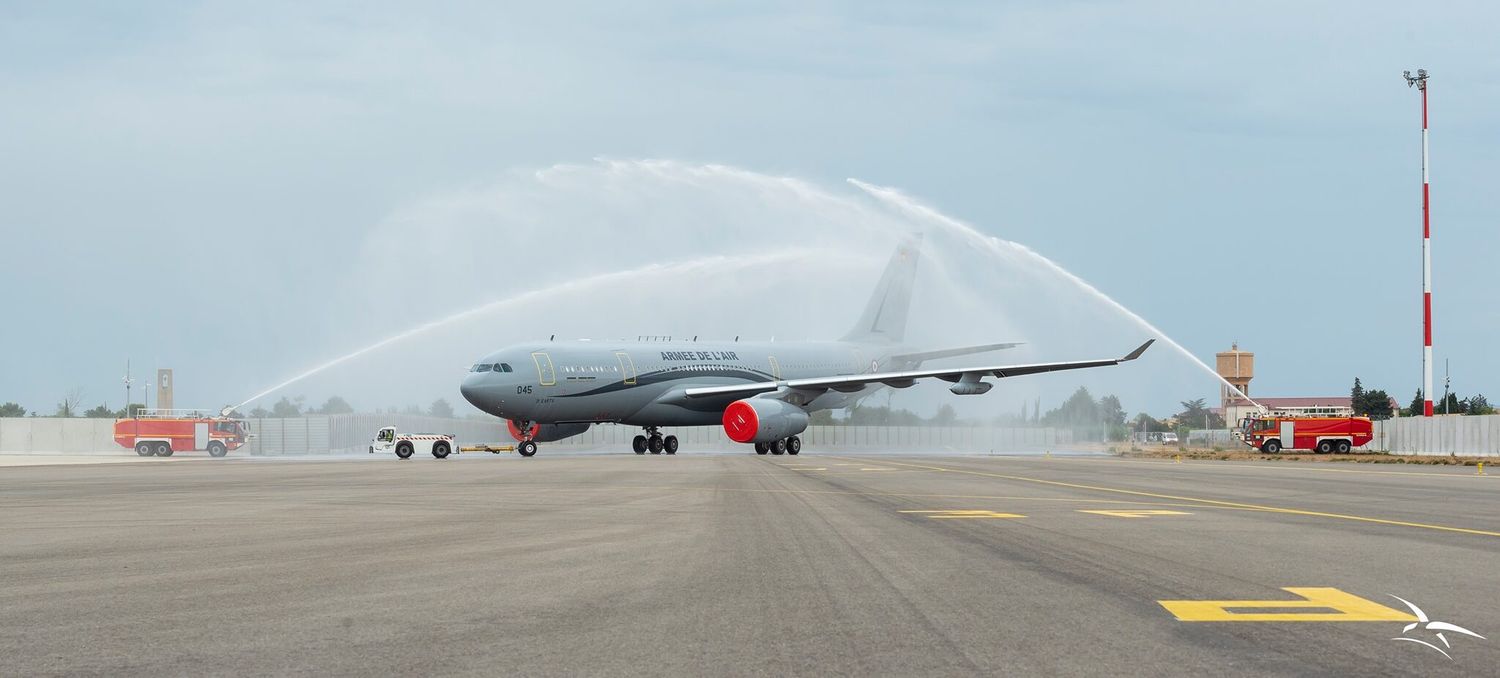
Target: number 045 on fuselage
<point>760,392</point>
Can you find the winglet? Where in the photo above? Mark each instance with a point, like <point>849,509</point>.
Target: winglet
<point>1138,351</point>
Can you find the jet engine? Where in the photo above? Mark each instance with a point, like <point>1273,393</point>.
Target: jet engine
<point>970,384</point>
<point>546,433</point>
<point>763,420</point>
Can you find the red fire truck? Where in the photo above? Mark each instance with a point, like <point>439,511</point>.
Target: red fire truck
<point>1272,433</point>
<point>162,432</point>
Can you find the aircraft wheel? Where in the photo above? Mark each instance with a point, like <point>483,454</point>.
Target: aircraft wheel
<point>403,450</point>
<point>1270,447</point>
<point>793,445</point>
<point>527,449</point>
<point>1342,447</point>
<point>163,449</point>
<point>1324,447</point>
<point>217,449</point>
<point>654,443</point>
<point>440,450</point>
<point>760,448</point>
<point>778,447</point>
<point>638,444</point>
<point>669,444</point>
<point>144,449</point>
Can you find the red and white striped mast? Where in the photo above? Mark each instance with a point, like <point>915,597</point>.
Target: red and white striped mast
<point>1421,83</point>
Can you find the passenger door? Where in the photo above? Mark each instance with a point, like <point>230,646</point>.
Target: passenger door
<point>544,374</point>
<point>627,368</point>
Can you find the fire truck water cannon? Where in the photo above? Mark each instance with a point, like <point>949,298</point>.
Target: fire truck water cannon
<point>161,433</point>
<point>1272,432</point>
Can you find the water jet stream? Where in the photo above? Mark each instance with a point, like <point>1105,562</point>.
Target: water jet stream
<point>917,209</point>
<point>711,264</point>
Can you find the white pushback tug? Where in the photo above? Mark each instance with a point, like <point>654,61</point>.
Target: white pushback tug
<point>440,445</point>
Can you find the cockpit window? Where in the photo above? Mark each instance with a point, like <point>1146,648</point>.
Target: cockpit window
<point>502,367</point>
<point>481,367</point>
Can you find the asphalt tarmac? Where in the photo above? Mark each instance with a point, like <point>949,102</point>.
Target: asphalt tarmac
<point>741,564</point>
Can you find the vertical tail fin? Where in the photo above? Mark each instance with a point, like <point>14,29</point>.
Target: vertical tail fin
<point>884,318</point>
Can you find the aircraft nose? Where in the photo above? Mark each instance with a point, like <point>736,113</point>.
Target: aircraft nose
<point>471,391</point>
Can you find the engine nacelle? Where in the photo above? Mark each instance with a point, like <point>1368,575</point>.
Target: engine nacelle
<point>970,384</point>
<point>763,420</point>
<point>971,388</point>
<point>546,433</point>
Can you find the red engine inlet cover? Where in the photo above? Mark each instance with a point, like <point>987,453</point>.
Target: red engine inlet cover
<point>515,431</point>
<point>740,422</point>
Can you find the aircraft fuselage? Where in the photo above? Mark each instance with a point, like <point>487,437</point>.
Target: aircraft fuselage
<point>623,382</point>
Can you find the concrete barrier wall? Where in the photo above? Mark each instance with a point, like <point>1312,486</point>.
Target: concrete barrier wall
<point>47,434</point>
<point>1460,435</point>
<point>351,433</point>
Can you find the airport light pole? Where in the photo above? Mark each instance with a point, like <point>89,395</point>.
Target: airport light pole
<point>127,388</point>
<point>1420,81</point>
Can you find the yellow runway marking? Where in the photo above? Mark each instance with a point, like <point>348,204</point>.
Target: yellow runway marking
<point>1346,608</point>
<point>877,469</point>
<point>967,514</point>
<point>1136,513</point>
<point>1269,466</point>
<point>1211,502</point>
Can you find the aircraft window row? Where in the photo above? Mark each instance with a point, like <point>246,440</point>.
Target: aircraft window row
<point>573,369</point>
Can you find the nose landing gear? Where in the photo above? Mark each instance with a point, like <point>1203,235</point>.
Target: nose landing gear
<point>527,448</point>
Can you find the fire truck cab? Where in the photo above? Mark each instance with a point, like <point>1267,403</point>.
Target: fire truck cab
<point>1274,432</point>
<point>161,433</point>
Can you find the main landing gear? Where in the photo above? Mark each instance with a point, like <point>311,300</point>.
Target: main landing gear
<point>792,445</point>
<point>654,442</point>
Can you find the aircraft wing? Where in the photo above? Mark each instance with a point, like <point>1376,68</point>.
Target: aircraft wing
<point>851,383</point>
<point>951,352</point>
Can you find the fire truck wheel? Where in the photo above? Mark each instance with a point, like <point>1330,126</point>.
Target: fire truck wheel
<point>144,449</point>
<point>1324,447</point>
<point>403,450</point>
<point>1271,447</point>
<point>164,449</point>
<point>527,449</point>
<point>1342,447</point>
<point>217,449</point>
<point>440,450</point>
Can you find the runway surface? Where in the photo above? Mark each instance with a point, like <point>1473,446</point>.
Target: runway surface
<point>743,564</point>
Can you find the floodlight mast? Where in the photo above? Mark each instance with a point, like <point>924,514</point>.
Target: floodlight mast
<point>1420,81</point>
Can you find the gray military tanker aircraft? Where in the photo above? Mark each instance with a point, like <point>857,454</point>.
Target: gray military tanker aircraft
<point>760,392</point>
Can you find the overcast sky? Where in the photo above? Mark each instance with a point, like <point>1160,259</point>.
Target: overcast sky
<point>214,186</point>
